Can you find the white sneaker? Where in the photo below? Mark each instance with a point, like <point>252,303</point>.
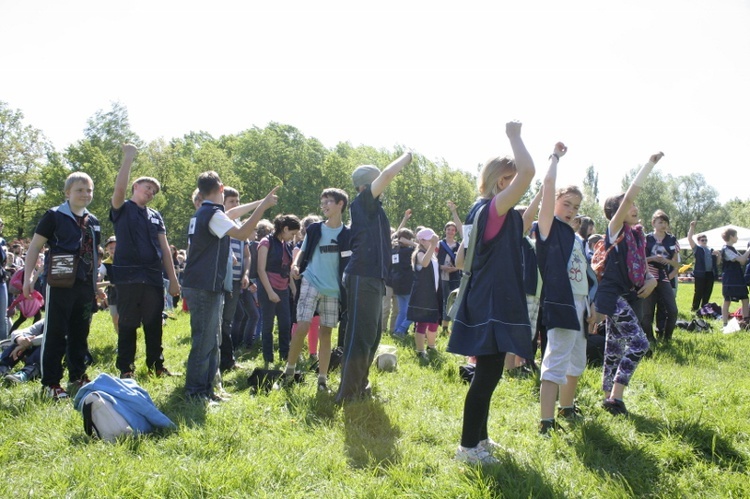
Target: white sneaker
<point>475,455</point>
<point>490,446</point>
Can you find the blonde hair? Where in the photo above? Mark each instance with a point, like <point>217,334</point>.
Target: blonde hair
<point>571,189</point>
<point>492,171</point>
<point>76,177</point>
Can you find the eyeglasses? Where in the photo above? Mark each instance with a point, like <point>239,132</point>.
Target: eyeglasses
<point>326,202</point>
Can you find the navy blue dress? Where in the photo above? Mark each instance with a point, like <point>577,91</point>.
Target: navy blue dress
<point>733,286</point>
<point>493,317</point>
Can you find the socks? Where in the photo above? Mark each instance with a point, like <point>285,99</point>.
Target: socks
<point>290,369</point>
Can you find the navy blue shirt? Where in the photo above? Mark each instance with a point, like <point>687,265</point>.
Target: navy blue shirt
<point>138,256</point>
<point>370,237</point>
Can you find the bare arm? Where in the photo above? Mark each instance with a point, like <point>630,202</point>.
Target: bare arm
<point>389,173</point>
<point>168,263</point>
<point>243,209</point>
<point>531,212</point>
<point>547,211</point>
<point>246,265</point>
<point>246,229</point>
<point>615,225</point>
<point>32,254</point>
<point>691,234</point>
<point>123,176</point>
<point>456,219</point>
<point>407,216</point>
<point>263,275</point>
<point>509,196</point>
<point>427,256</point>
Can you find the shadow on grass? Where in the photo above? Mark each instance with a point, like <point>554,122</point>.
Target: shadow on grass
<point>600,451</point>
<point>369,435</point>
<point>707,444</point>
<point>511,479</point>
<point>184,411</point>
<point>684,351</point>
<point>104,355</point>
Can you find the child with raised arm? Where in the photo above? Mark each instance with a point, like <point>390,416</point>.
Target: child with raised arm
<point>733,286</point>
<point>365,274</point>
<point>492,318</point>
<point>626,278</point>
<point>565,294</point>
<point>425,299</point>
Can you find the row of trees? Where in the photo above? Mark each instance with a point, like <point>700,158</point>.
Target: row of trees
<point>32,173</point>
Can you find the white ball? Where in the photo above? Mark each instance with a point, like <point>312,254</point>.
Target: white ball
<point>386,362</point>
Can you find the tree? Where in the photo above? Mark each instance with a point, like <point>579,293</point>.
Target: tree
<point>23,153</point>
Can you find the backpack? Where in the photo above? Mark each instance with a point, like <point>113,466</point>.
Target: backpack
<point>28,307</point>
<point>599,258</point>
<point>101,420</point>
<point>15,285</point>
<point>458,295</point>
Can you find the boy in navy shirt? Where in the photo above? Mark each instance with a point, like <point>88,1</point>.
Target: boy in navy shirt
<point>364,277</point>
<point>143,251</point>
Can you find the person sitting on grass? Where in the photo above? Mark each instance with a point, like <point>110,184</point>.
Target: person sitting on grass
<point>25,344</point>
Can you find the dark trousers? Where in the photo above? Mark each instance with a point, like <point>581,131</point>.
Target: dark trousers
<point>139,304</point>
<point>66,331</point>
<point>487,374</point>
<point>280,310</point>
<point>227,346</point>
<point>664,294</point>
<point>246,319</point>
<point>704,286</point>
<point>364,296</point>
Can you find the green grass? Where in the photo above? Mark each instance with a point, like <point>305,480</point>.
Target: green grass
<point>688,435</point>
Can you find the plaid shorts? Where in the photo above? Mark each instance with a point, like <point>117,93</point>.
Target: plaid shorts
<point>310,300</point>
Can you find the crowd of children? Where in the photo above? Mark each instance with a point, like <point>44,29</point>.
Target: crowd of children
<point>521,284</point>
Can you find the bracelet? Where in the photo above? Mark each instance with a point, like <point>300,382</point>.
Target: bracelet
<point>554,155</point>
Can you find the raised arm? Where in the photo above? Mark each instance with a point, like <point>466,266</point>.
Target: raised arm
<point>509,196</point>
<point>245,230</point>
<point>547,211</point>
<point>407,216</point>
<point>427,256</point>
<point>456,219</point>
<point>622,212</point>
<point>531,212</point>
<point>389,173</point>
<point>243,209</point>
<point>691,234</point>
<point>123,176</point>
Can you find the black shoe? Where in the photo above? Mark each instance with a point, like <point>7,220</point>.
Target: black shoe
<point>570,413</point>
<point>615,407</point>
<point>546,427</point>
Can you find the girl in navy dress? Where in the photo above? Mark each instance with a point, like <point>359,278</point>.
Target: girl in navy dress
<point>425,301</point>
<point>626,278</point>
<point>492,318</point>
<point>733,285</point>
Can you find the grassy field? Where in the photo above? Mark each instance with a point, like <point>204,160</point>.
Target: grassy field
<point>688,434</point>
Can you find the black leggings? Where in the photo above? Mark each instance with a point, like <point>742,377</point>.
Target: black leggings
<point>487,374</point>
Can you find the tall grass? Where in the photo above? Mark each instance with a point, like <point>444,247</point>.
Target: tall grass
<point>687,436</point>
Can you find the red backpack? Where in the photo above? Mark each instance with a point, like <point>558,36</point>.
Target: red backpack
<point>599,259</point>
<point>16,282</point>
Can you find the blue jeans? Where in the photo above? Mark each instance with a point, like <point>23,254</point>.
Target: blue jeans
<point>245,321</point>
<point>282,312</point>
<point>205,331</point>
<point>402,323</point>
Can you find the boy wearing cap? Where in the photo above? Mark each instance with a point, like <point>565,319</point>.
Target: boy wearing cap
<point>364,276</point>
<point>137,268</point>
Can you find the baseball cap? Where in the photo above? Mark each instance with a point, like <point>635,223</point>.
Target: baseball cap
<point>426,234</point>
<point>365,174</point>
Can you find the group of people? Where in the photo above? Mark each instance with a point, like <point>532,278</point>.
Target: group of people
<point>355,276</point>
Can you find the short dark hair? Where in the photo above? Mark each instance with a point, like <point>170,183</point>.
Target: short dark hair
<point>337,195</point>
<point>659,215</point>
<point>208,182</point>
<point>231,192</point>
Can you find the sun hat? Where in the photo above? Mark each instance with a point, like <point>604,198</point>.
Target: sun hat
<point>426,234</point>
<point>365,174</point>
